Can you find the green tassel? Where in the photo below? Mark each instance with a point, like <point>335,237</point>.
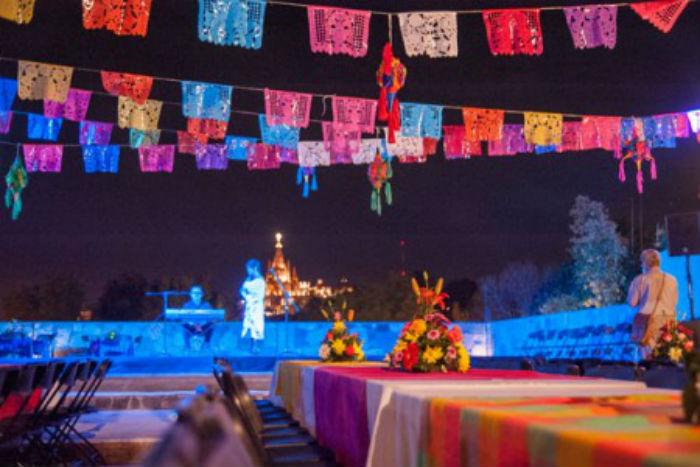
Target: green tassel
<point>373,201</point>
<point>387,193</point>
<point>16,209</point>
<point>379,203</point>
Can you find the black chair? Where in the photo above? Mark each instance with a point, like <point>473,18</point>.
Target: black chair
<point>665,376</point>
<point>278,438</point>
<point>89,376</point>
<point>559,368</point>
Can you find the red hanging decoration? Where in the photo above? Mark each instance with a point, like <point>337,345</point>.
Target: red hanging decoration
<point>122,17</point>
<point>137,87</point>
<point>391,77</point>
<point>512,32</point>
<point>662,14</point>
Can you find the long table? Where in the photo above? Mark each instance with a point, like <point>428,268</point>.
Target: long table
<point>633,430</point>
<point>369,415</point>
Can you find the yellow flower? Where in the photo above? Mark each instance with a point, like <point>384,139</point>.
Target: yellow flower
<point>410,337</point>
<point>359,354</point>
<point>419,327</point>
<point>463,363</point>
<point>675,354</point>
<point>432,354</point>
<point>338,326</point>
<point>400,346</point>
<point>338,346</point>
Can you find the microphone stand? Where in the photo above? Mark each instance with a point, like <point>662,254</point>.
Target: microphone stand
<point>287,300</point>
<point>165,295</point>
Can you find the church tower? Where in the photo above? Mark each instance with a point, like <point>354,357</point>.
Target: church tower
<point>274,296</point>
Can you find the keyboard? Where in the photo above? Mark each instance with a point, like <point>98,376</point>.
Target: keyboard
<point>191,314</point>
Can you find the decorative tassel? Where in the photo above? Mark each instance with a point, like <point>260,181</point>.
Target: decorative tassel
<point>621,172</point>
<point>387,194</point>
<point>640,182</point>
<point>373,202</point>
<point>300,175</point>
<point>394,120</point>
<point>16,180</point>
<point>307,176</point>
<point>382,111</point>
<point>652,162</point>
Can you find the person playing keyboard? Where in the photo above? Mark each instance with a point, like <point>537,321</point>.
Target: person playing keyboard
<point>192,328</point>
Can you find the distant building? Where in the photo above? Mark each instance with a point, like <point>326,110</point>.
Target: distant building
<point>300,291</point>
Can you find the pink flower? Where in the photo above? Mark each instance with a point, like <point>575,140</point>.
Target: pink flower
<point>397,358</point>
<point>451,353</point>
<point>682,336</point>
<point>337,316</point>
<point>667,337</point>
<point>688,346</point>
<point>434,335</point>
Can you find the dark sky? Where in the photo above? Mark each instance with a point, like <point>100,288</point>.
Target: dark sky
<point>460,218</point>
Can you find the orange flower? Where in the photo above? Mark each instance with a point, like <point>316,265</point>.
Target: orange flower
<point>455,335</point>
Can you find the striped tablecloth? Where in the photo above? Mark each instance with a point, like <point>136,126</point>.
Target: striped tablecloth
<point>627,431</point>
<point>349,407</point>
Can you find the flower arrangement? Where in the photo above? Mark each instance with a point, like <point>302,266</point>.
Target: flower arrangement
<point>427,343</point>
<point>675,343</point>
<point>339,345</point>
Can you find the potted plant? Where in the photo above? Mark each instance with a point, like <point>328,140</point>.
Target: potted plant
<point>428,343</point>
<point>339,345</point>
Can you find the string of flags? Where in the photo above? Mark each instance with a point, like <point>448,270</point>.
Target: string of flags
<point>332,30</point>
<point>412,133</point>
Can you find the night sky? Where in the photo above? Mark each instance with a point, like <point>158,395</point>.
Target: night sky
<point>460,218</point>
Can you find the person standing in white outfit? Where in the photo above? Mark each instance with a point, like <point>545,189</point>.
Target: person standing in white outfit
<point>654,294</point>
<point>253,293</point>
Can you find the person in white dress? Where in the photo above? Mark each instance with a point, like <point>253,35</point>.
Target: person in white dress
<point>253,293</point>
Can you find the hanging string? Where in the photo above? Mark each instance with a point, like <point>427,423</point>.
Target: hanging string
<point>460,12</point>
<point>390,25</point>
<point>262,90</point>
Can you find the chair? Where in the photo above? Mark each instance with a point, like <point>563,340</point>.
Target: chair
<point>277,435</point>
<point>665,376</point>
<point>559,368</point>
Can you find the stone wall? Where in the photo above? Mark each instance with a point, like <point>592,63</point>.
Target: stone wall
<point>158,338</point>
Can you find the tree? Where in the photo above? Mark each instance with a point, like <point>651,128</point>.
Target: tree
<point>123,299</point>
<point>511,293</point>
<point>598,254</point>
<point>557,292</point>
<point>57,298</point>
<point>460,302</point>
<point>389,300</point>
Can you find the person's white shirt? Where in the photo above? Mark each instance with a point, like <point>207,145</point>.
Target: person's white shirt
<point>646,289</point>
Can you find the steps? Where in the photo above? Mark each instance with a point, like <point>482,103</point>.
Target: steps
<point>136,409</point>
<point>164,392</point>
